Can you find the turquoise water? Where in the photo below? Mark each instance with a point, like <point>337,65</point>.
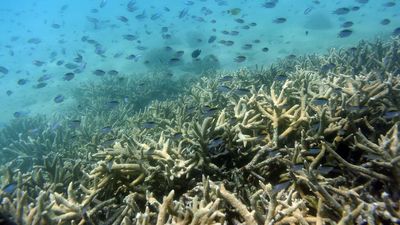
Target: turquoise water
<point>39,35</point>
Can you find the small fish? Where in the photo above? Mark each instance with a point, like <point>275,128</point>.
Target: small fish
<point>279,20</point>
<point>130,37</point>
<point>389,4</point>
<point>71,66</point>
<point>55,26</point>
<point>269,5</point>
<point>122,19</point>
<point>226,78</point>
<point>247,46</point>
<point>99,72</point>
<point>10,188</point>
<point>234,11</point>
<point>239,20</point>
<point>265,49</point>
<point>3,70</point>
<point>279,187</point>
<point>183,13</point>
<point>240,59</point>
<point>112,104</point>
<point>281,77</point>
<point>38,63</point>
<point>325,170</point>
<point>308,10</point>
<point>112,72</point>
<point>223,89</point>
<point>216,142</point>
<point>58,99</point>
<point>59,62</point>
<point>68,76</point>
<point>103,3</point>
<point>347,24</point>
<point>211,39</point>
<point>44,78</point>
<point>106,129</point>
<point>22,81</point>
<point>396,32</point>
<point>345,33</point>
<point>34,41</point>
<point>241,91</point>
<point>73,124</point>
<point>179,53</point>
<point>325,68</point>
<point>196,53</point>
<point>155,16</point>
<point>385,22</point>
<point>40,85</point>
<point>341,11</point>
<point>177,136</point>
<point>78,58</point>
<point>391,114</point>
<point>20,114</point>
<point>9,92</point>
<point>209,111</point>
<point>149,125</point>
<point>320,101</point>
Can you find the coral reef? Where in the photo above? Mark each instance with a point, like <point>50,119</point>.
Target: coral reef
<point>310,140</point>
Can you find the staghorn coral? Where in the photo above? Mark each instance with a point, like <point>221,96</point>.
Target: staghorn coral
<point>295,143</point>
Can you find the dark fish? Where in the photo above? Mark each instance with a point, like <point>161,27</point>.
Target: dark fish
<point>389,4</point>
<point>320,101</point>
<point>269,5</point>
<point>108,144</point>
<point>265,49</point>
<point>347,24</point>
<point>391,114</point>
<point>103,3</point>
<point>112,72</point>
<point>240,59</point>
<point>279,187</point>
<point>164,29</point>
<point>9,188</point>
<point>112,104</point>
<point>59,99</point>
<point>226,78</point>
<point>22,81</point>
<point>40,85</point>
<point>345,33</point>
<point>355,8</point>
<point>362,1</point>
<point>325,68</point>
<point>44,78</point>
<point>239,20</point>
<point>234,11</point>
<point>385,21</point>
<point>68,76</point>
<point>223,89</point>
<point>281,77</point>
<point>74,124</point>
<point>155,16</point>
<point>308,10</point>
<point>149,125</point>
<point>229,43</point>
<point>106,129</point>
<point>129,37</point>
<point>325,170</point>
<point>209,112</point>
<point>3,70</point>
<point>183,13</point>
<point>99,72</point>
<point>59,62</point>
<point>38,63</point>
<point>341,11</point>
<point>34,41</point>
<point>9,92</point>
<point>78,58</point>
<point>241,91</point>
<point>71,66</point>
<point>174,60</point>
<point>211,39</point>
<point>396,32</point>
<point>216,142</point>
<point>179,53</point>
<point>196,53</point>
<point>55,26</point>
<point>247,46</point>
<point>279,20</point>
<point>122,19</point>
<point>177,136</point>
<point>19,114</point>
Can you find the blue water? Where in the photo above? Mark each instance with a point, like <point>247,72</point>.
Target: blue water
<point>310,27</point>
